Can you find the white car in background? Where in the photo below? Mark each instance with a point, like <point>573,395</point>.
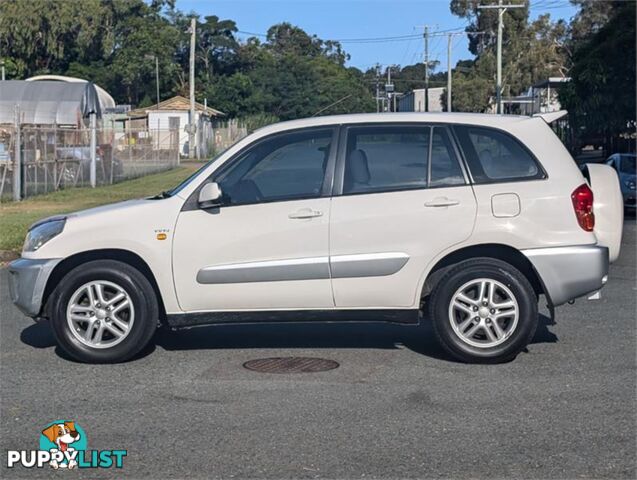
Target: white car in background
<point>369,217</point>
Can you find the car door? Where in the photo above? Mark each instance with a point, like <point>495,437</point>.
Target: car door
<point>266,246</point>
<point>401,198</point>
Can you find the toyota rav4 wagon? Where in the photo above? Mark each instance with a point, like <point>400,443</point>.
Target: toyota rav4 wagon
<point>460,219</point>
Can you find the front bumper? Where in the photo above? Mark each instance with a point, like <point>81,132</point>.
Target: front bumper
<point>570,272</point>
<point>27,280</point>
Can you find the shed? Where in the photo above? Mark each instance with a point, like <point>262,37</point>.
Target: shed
<point>106,100</point>
<point>414,101</point>
<point>49,102</point>
<point>173,114</point>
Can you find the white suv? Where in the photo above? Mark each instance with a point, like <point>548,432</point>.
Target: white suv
<point>344,218</point>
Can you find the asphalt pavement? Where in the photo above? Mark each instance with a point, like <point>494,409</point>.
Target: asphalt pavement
<point>397,406</point>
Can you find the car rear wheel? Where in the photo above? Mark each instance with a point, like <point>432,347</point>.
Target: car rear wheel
<point>104,311</point>
<point>484,311</point>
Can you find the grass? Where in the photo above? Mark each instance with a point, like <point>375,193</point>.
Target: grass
<point>15,217</point>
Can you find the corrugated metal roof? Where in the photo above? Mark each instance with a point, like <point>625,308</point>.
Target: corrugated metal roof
<point>48,102</point>
<point>176,103</point>
<point>106,101</point>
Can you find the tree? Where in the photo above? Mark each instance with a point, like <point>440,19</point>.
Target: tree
<point>590,18</point>
<point>601,95</point>
<point>140,39</point>
<point>531,52</point>
<point>515,22</point>
<point>216,45</point>
<point>45,36</point>
<point>114,43</point>
<point>103,41</point>
<point>413,76</point>
<point>285,38</point>
<point>290,75</point>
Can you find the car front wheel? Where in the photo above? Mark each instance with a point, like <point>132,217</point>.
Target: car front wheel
<point>484,311</point>
<point>104,311</point>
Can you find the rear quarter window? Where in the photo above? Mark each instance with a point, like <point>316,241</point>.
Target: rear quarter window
<point>495,156</point>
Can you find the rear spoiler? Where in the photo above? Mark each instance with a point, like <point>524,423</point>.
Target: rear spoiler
<point>550,117</point>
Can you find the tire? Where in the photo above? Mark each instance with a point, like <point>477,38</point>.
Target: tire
<point>465,327</point>
<point>134,322</point>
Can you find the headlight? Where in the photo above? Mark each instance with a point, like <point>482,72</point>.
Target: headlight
<point>630,184</point>
<point>42,232</point>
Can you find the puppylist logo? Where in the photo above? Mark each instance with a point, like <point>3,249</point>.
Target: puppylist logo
<point>64,445</point>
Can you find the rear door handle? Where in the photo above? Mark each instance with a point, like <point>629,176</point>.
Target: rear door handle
<point>442,202</point>
<point>305,213</point>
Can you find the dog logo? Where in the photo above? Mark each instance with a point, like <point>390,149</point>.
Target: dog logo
<point>64,445</point>
<point>62,436</point>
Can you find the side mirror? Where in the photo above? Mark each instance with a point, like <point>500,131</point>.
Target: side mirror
<point>210,195</point>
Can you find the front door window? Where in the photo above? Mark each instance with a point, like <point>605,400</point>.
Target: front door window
<point>284,167</point>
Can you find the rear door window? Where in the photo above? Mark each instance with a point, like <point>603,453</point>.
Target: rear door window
<point>495,156</point>
<point>386,158</point>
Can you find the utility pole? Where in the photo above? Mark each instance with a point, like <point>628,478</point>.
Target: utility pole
<point>2,67</point>
<point>17,164</point>
<point>449,48</point>
<point>426,68</point>
<point>93,150</point>
<point>157,78</point>
<point>498,83</point>
<point>191,126</point>
<point>449,38</point>
<point>389,89</point>
<point>377,88</point>
<point>154,57</point>
<point>426,63</point>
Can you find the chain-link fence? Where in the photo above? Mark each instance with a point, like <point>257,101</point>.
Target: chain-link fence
<point>54,158</point>
<point>227,133</point>
<point>7,155</point>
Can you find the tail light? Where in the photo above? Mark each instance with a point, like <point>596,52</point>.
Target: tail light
<point>582,198</point>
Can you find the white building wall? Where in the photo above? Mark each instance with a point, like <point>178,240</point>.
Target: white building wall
<point>414,101</point>
<point>160,119</point>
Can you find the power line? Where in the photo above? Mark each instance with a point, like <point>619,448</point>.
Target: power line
<point>394,38</point>
<point>252,33</point>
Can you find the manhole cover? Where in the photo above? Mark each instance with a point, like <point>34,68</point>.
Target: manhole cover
<point>290,365</point>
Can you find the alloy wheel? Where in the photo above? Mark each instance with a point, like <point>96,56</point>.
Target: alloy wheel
<point>483,313</point>
<point>100,314</point>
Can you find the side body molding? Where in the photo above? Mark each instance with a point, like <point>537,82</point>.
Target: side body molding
<point>367,264</point>
<point>310,268</point>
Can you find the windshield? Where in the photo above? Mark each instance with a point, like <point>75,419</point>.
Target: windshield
<point>627,164</point>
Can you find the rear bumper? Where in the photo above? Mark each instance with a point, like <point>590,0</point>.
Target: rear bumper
<point>27,280</point>
<point>570,272</point>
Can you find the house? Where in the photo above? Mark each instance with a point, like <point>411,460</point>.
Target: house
<point>541,97</point>
<point>173,114</point>
<point>414,101</point>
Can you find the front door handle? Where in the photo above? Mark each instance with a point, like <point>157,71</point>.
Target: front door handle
<point>305,213</point>
<point>442,202</point>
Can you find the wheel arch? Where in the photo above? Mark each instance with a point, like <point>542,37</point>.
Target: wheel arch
<point>124,256</point>
<point>503,252</point>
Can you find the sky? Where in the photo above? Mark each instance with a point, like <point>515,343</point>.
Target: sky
<point>354,22</point>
